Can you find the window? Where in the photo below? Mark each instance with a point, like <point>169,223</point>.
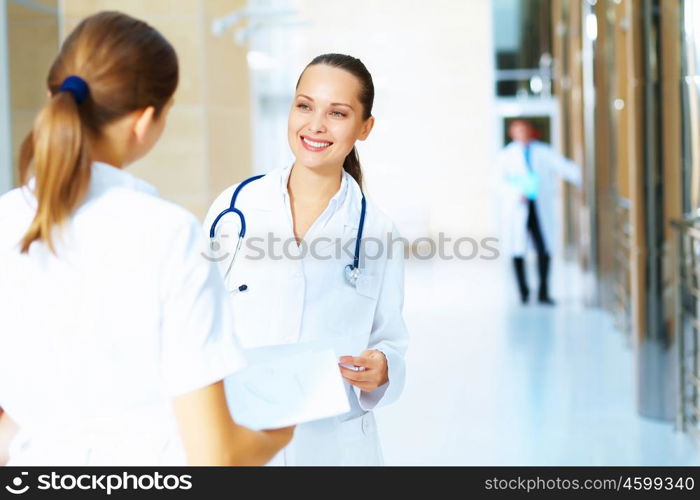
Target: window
<point>523,41</point>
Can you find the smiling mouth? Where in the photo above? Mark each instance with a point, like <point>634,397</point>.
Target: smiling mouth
<point>315,146</point>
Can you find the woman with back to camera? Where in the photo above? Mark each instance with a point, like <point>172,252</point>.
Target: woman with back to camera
<point>116,333</point>
<point>321,287</point>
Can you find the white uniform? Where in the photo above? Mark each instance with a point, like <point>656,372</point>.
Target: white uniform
<point>95,342</point>
<point>304,297</point>
<point>549,167</point>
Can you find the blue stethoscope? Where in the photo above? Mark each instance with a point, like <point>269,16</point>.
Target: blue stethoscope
<point>352,271</point>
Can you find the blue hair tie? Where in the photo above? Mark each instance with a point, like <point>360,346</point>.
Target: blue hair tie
<point>76,86</point>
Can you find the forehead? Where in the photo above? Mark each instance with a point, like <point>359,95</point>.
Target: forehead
<point>326,83</point>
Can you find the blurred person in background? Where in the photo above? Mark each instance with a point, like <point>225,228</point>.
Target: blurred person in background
<point>314,204</point>
<point>116,332</point>
<point>530,171</point>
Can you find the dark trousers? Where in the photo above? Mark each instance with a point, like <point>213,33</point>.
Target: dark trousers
<point>535,231</point>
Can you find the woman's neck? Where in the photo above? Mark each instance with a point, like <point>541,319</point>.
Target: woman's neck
<point>112,144</point>
<point>310,190</point>
<point>314,184</point>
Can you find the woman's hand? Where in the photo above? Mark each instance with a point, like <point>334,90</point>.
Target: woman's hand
<point>8,429</point>
<point>375,373</point>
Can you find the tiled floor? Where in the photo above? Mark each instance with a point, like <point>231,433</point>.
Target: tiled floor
<point>491,382</point>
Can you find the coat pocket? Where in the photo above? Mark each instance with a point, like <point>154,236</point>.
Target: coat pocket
<point>358,305</point>
<point>359,438</point>
<point>368,285</point>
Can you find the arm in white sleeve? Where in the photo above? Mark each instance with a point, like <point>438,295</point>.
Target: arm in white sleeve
<point>389,334</point>
<point>198,345</point>
<point>564,167</point>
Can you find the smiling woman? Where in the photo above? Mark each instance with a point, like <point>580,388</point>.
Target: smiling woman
<point>348,105</point>
<point>319,199</point>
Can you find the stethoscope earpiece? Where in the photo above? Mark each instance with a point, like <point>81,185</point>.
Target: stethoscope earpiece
<point>215,246</point>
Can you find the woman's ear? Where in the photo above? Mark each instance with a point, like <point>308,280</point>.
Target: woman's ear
<point>366,128</point>
<point>144,120</point>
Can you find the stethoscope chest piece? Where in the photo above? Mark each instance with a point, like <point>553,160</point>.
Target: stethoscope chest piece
<point>352,273</point>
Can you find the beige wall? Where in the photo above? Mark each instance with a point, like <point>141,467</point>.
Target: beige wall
<point>33,42</point>
<point>206,145</point>
<point>428,159</point>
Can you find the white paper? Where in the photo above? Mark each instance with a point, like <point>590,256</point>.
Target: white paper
<point>287,390</point>
<point>342,345</point>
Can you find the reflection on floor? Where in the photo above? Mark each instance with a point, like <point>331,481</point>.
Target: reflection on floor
<point>491,382</point>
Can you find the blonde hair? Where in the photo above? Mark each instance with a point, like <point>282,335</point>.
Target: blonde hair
<point>127,66</point>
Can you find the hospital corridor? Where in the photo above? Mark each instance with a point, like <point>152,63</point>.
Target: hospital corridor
<point>536,163</point>
<point>534,386</point>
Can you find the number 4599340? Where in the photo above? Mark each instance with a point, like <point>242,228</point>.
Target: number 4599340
<point>658,483</point>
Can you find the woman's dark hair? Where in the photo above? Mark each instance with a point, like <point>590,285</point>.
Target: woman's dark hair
<point>126,65</point>
<point>356,68</point>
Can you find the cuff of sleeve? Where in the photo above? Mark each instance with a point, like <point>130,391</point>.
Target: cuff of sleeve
<point>384,394</point>
<point>209,373</point>
<point>370,400</point>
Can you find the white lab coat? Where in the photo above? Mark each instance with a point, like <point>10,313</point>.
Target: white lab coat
<point>291,299</point>
<point>550,167</point>
<point>95,342</point>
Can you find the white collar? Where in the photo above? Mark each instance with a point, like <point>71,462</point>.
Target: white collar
<point>335,202</point>
<point>105,176</point>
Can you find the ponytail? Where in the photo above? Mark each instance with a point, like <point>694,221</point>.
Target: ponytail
<point>110,65</point>
<point>351,165</point>
<point>60,153</point>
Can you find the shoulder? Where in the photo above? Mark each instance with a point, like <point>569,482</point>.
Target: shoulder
<point>259,189</point>
<point>114,217</point>
<point>223,200</point>
<point>17,198</point>
<point>540,146</point>
<point>379,219</point>
<point>146,205</point>
<point>507,150</point>
<point>546,154</point>
<point>136,214</point>
<point>171,233</point>
<point>376,219</point>
<point>17,209</point>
